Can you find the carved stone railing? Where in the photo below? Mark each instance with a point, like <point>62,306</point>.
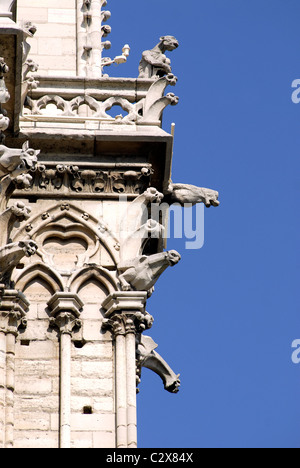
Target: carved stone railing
<point>142,100</point>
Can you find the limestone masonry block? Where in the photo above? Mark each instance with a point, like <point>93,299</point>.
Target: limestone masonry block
<point>61,15</point>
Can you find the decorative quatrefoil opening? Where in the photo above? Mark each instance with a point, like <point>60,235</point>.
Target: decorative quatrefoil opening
<point>65,251</point>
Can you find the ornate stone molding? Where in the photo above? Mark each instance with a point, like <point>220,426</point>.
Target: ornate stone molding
<point>49,180</point>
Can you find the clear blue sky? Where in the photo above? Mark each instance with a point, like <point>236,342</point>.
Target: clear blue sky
<point>226,316</point>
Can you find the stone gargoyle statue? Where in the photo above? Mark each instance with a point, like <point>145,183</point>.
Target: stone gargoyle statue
<point>154,63</point>
<point>12,254</point>
<point>18,212</point>
<point>149,358</point>
<point>141,273</point>
<point>14,162</point>
<point>190,194</point>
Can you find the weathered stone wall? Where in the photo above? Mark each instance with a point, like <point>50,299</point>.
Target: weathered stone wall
<point>54,44</point>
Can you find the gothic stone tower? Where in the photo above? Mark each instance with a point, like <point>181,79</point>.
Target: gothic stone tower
<point>80,251</point>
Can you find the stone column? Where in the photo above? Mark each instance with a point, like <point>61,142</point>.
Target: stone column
<point>65,311</point>
<point>82,21</point>
<point>13,308</point>
<point>126,316</point>
<point>131,331</point>
<point>90,33</point>
<point>3,328</point>
<point>95,39</point>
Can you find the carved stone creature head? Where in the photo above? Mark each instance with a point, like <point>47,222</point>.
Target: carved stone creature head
<point>173,257</point>
<point>16,161</point>
<point>29,29</point>
<point>21,211</point>
<point>29,248</point>
<point>12,254</point>
<point>153,196</point>
<point>211,198</point>
<point>169,43</point>
<point>23,181</point>
<point>29,157</point>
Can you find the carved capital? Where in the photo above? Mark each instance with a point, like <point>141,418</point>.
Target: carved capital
<point>66,322</point>
<point>65,311</point>
<point>130,322</point>
<point>125,313</point>
<point>13,308</point>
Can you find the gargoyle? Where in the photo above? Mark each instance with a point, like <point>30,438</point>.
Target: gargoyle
<point>155,101</point>
<point>12,254</point>
<point>18,212</point>
<point>147,357</point>
<point>29,31</point>
<point>14,162</point>
<point>141,273</point>
<point>154,63</point>
<point>190,194</point>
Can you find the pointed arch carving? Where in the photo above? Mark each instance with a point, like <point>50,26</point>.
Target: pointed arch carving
<point>39,270</point>
<point>89,273</point>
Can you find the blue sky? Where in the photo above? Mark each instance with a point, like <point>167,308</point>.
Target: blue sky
<point>226,316</point>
